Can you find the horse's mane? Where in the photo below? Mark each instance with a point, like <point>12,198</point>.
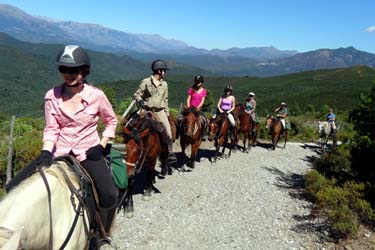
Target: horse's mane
<point>193,110</point>
<point>53,170</point>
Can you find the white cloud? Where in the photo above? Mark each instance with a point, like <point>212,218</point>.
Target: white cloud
<point>370,29</point>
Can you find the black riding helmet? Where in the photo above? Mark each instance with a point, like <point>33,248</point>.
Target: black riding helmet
<point>198,79</point>
<point>73,56</point>
<point>159,65</point>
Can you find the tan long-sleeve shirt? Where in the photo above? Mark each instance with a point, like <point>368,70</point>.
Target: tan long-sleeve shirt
<point>154,96</point>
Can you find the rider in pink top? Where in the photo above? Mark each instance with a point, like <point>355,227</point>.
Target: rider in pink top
<point>196,97</point>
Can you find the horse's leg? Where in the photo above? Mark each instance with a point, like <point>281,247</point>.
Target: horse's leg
<point>274,139</point>
<point>129,207</point>
<point>249,141</point>
<point>183,148</point>
<point>149,181</point>
<point>286,137</point>
<point>194,150</point>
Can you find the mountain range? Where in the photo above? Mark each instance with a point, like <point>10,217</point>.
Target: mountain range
<point>23,26</point>
<point>259,61</point>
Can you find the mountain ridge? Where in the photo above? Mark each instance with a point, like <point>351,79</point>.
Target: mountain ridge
<point>12,22</point>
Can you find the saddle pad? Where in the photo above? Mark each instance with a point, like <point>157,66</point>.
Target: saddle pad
<point>119,171</point>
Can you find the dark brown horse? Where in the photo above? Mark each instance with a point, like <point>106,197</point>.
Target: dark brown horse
<point>276,130</point>
<point>190,134</point>
<point>219,132</point>
<point>248,127</point>
<point>143,148</point>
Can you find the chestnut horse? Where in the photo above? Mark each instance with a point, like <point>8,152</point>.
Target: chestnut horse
<point>143,149</point>
<point>219,131</point>
<point>246,127</point>
<point>276,130</point>
<point>190,134</point>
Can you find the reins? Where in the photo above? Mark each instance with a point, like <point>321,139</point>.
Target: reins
<point>50,243</point>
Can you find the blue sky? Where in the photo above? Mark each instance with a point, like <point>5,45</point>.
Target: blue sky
<point>301,24</point>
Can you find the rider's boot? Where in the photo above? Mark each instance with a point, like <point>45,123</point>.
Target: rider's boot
<point>171,156</point>
<point>167,141</point>
<point>107,216</point>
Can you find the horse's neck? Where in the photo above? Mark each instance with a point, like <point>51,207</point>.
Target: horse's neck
<point>26,206</point>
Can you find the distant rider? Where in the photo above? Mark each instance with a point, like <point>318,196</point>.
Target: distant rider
<point>282,113</point>
<point>250,106</point>
<point>331,117</point>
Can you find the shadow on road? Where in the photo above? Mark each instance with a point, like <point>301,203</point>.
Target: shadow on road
<point>295,185</point>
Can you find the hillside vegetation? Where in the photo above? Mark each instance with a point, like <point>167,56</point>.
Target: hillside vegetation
<point>306,91</point>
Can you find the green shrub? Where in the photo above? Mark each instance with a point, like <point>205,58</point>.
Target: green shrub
<point>344,206</point>
<point>336,163</point>
<point>314,182</point>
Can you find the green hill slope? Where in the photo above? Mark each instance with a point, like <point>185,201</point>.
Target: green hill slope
<point>338,88</point>
<point>28,70</point>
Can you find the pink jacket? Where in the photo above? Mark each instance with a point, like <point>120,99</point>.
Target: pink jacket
<point>77,132</point>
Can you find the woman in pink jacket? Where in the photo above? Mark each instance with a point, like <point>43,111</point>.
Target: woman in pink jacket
<point>72,111</point>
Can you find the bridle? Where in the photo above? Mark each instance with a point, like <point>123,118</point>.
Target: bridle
<point>193,127</point>
<point>144,150</point>
<point>216,134</point>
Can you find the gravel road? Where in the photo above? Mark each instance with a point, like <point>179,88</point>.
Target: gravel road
<point>245,202</point>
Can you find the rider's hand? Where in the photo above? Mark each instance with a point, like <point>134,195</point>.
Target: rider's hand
<point>44,158</point>
<point>95,153</point>
<point>141,104</point>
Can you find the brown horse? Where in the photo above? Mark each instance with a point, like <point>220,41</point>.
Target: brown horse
<point>219,131</point>
<point>276,130</point>
<point>247,126</point>
<point>190,134</point>
<point>143,148</point>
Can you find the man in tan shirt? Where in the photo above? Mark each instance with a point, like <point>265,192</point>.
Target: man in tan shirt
<point>152,95</point>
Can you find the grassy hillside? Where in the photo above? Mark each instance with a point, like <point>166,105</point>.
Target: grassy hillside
<point>28,70</point>
<point>306,91</point>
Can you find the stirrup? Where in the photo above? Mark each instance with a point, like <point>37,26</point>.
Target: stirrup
<point>107,240</point>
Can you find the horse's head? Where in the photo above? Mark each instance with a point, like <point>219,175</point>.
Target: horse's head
<point>133,139</point>
<point>268,121</point>
<point>190,121</point>
<point>212,128</point>
<point>239,108</point>
<point>215,124</point>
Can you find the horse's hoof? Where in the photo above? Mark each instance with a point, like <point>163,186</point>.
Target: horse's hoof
<point>129,215</point>
<point>146,197</point>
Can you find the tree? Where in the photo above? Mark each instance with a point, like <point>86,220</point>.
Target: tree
<point>209,102</point>
<point>363,149</point>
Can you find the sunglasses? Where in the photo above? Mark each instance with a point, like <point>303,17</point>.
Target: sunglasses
<point>70,70</point>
